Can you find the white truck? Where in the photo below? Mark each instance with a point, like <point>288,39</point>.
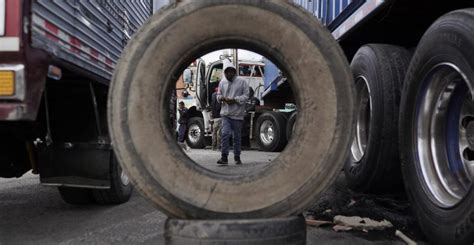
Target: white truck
<point>264,124</point>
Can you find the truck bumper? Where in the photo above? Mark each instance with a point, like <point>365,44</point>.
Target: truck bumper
<point>15,112</point>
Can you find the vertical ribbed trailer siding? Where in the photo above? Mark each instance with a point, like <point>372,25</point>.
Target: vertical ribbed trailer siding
<point>89,34</point>
<point>340,15</point>
<point>325,10</point>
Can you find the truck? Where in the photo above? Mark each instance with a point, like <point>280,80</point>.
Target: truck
<point>412,63</point>
<point>268,123</point>
<point>56,62</point>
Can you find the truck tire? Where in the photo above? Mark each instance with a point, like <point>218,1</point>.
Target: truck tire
<point>374,162</point>
<point>166,44</point>
<point>271,131</point>
<point>120,186</point>
<point>290,126</point>
<point>275,231</point>
<point>76,196</point>
<point>195,133</point>
<point>436,130</point>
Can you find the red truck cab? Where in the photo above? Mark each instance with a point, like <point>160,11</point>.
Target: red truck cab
<point>56,61</point>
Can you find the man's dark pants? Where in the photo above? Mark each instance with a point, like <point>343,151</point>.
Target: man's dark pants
<point>230,126</point>
<point>181,133</point>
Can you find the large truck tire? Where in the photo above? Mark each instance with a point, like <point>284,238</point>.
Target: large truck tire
<point>271,131</point>
<point>76,196</point>
<point>120,186</point>
<point>195,133</point>
<point>374,162</point>
<point>436,129</point>
<point>159,52</point>
<point>290,126</point>
<point>291,230</point>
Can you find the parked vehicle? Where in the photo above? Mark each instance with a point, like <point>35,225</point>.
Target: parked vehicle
<point>56,61</point>
<point>413,65</point>
<point>265,124</point>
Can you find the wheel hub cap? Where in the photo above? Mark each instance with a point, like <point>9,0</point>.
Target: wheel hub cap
<point>124,178</point>
<point>194,133</point>
<point>360,137</point>
<point>445,135</point>
<point>267,133</point>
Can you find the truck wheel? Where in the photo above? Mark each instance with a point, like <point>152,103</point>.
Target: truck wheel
<point>120,186</point>
<point>147,71</point>
<point>195,133</point>
<point>374,165</point>
<point>271,131</point>
<point>290,126</point>
<point>437,130</point>
<point>76,196</point>
<point>291,230</point>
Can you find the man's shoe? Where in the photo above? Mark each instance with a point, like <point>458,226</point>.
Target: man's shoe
<point>237,160</point>
<point>223,161</point>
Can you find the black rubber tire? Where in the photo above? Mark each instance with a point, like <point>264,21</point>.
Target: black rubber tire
<point>382,69</point>
<point>279,122</point>
<point>449,40</point>
<point>275,231</point>
<point>168,42</point>
<point>119,192</point>
<point>76,196</point>
<point>201,143</point>
<point>290,126</point>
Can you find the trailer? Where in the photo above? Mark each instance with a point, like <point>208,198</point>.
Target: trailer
<point>56,62</point>
<point>412,63</point>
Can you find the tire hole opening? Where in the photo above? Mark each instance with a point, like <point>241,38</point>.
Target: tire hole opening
<point>206,111</point>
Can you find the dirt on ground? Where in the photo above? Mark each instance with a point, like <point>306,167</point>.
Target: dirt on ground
<point>340,200</point>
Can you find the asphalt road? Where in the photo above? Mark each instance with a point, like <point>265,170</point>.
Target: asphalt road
<point>33,214</point>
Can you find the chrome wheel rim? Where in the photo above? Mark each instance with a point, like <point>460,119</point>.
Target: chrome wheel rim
<point>124,177</point>
<point>444,135</point>
<point>360,136</point>
<point>194,133</point>
<point>267,132</point>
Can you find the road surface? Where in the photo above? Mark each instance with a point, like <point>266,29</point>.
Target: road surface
<point>33,214</point>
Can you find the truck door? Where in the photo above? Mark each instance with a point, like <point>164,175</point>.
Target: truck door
<point>213,77</point>
<point>201,85</point>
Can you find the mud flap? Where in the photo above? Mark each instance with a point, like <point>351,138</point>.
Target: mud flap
<point>83,165</point>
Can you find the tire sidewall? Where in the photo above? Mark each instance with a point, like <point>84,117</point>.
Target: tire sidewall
<point>444,42</point>
<point>290,125</point>
<point>382,68</point>
<point>363,65</point>
<point>173,196</point>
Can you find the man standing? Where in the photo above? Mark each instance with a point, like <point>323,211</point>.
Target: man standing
<point>216,121</point>
<point>183,123</point>
<point>233,93</point>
